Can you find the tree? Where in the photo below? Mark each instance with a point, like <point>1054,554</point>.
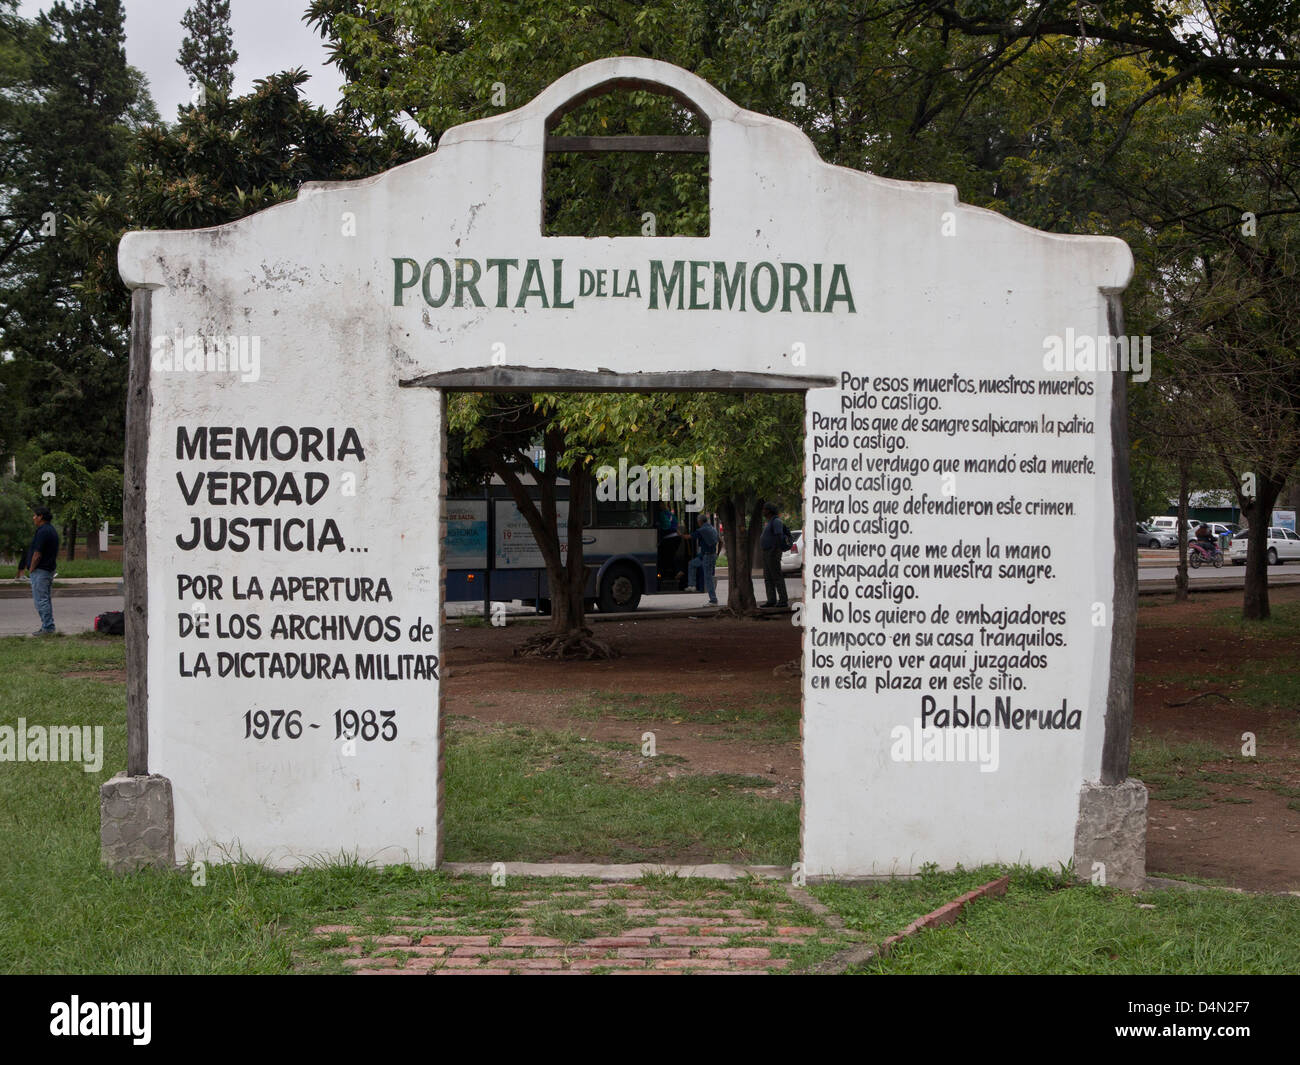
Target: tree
<point>1176,424</point>
<point>751,449</point>
<point>106,490</point>
<point>208,53</point>
<point>437,62</point>
<point>78,499</point>
<point>1245,56</point>
<point>61,482</point>
<point>1223,284</point>
<point>65,383</point>
<point>15,518</point>
<point>1249,325</point>
<point>499,431</point>
<point>19,38</point>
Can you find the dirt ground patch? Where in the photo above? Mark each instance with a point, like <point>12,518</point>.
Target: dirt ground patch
<point>108,676</point>
<point>704,687</point>
<point>707,689</point>
<point>1244,829</point>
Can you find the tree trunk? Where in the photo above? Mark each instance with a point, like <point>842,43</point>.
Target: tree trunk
<point>71,532</point>
<point>755,538</point>
<point>567,635</point>
<point>756,552</point>
<point>1180,578</point>
<point>568,610</point>
<point>740,577</point>
<point>1254,606</point>
<point>92,543</point>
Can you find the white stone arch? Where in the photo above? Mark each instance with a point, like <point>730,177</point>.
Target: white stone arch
<point>927,287</point>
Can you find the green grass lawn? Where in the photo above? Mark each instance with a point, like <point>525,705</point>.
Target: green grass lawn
<point>757,719</point>
<point>78,567</point>
<point>1283,620</point>
<point>1045,925</point>
<point>527,796</point>
<point>89,567</point>
<point>1186,774</point>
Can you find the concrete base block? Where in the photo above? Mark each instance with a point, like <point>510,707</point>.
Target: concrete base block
<point>136,823</point>
<point>1110,838</point>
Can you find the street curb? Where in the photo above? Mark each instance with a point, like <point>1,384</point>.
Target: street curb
<point>62,591</point>
<point>1209,584</point>
<point>945,915</point>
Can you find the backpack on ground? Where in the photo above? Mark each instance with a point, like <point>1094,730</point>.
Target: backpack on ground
<point>112,623</point>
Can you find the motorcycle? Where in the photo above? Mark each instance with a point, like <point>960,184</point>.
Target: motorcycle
<point>1198,554</point>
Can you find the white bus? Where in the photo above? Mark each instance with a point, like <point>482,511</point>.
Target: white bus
<point>492,556</point>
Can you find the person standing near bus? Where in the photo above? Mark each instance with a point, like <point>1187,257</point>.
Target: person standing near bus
<point>671,555</point>
<point>773,544</point>
<point>706,554</point>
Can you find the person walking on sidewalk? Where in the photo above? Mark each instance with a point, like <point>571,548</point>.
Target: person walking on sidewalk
<point>44,554</point>
<point>774,543</point>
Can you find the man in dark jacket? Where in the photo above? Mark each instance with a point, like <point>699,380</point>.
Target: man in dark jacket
<point>772,543</point>
<point>44,555</point>
<point>706,555</point>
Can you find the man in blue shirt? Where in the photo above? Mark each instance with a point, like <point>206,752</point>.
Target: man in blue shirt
<point>44,554</point>
<point>706,555</point>
<point>773,545</point>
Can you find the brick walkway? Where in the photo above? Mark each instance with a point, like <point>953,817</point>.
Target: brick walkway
<point>594,928</point>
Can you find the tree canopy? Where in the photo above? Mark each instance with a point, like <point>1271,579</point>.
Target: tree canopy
<point>207,52</point>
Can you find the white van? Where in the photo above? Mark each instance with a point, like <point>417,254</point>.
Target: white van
<point>1163,522</point>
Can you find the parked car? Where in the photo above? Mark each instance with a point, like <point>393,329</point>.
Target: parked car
<point>1283,546</point>
<point>792,560</point>
<point>1155,538</point>
<point>1161,521</point>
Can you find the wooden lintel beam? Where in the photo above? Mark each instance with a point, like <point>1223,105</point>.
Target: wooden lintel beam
<point>698,145</point>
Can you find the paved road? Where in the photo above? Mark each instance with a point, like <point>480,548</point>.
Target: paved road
<point>71,613</point>
<point>1285,572</point>
<point>651,604</point>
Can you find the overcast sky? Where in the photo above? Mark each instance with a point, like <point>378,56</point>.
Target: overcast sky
<point>270,36</point>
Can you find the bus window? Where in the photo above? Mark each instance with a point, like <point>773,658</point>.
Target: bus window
<point>621,514</point>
